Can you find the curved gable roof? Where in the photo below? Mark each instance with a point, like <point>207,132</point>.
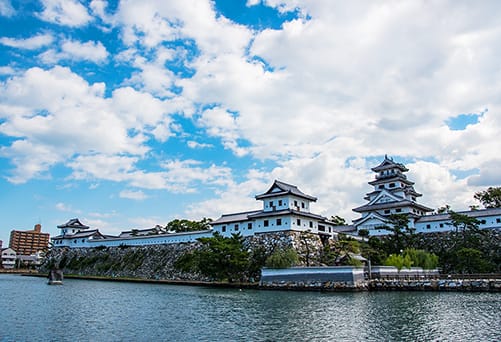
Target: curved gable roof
<point>388,163</point>
<point>280,188</point>
<point>73,223</point>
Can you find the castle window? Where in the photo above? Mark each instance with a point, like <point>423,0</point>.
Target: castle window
<point>387,211</point>
<point>266,223</point>
<point>298,222</point>
<point>498,220</point>
<point>482,221</point>
<point>392,185</point>
<point>279,203</point>
<point>311,224</point>
<point>236,227</point>
<point>249,225</point>
<point>279,222</point>
<point>295,203</point>
<point>381,186</point>
<point>441,225</point>
<point>223,229</point>
<point>428,226</point>
<point>398,210</point>
<point>302,205</point>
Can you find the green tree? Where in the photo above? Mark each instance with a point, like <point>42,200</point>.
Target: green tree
<point>363,232</point>
<point>399,261</point>
<point>471,260</point>
<point>490,198</point>
<point>219,258</point>
<point>402,235</point>
<point>421,258</point>
<point>338,220</point>
<point>444,209</point>
<point>282,258</point>
<point>184,225</point>
<point>467,231</point>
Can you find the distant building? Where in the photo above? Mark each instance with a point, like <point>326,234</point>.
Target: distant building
<point>8,258</point>
<point>29,242</point>
<point>394,194</point>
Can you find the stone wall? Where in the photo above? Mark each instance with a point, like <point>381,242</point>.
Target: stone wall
<point>148,262</point>
<point>157,261</point>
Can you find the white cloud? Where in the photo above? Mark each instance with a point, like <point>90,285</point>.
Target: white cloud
<point>76,51</point>
<point>197,145</point>
<point>250,3</point>
<point>66,208</point>
<point>134,195</point>
<point>6,70</point>
<point>32,43</point>
<point>65,12</point>
<point>92,51</point>
<point>322,97</point>
<point>6,8</point>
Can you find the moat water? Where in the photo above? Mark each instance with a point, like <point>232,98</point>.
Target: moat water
<point>82,310</point>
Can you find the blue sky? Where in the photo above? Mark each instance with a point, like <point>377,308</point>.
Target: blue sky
<point>129,114</point>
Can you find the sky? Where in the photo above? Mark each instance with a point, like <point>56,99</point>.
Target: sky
<point>129,114</point>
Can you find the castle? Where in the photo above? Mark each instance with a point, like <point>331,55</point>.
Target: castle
<point>394,194</point>
<point>286,208</point>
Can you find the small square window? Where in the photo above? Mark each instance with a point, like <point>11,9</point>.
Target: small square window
<point>223,229</point>
<point>392,185</point>
<point>311,224</point>
<point>279,203</point>
<point>387,211</point>
<point>498,220</point>
<point>302,205</point>
<point>398,210</point>
<point>428,226</point>
<point>441,225</point>
<point>249,225</point>
<point>279,222</point>
<point>298,222</point>
<point>266,223</point>
<point>236,227</point>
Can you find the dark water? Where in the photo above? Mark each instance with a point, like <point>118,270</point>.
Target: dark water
<point>83,310</point>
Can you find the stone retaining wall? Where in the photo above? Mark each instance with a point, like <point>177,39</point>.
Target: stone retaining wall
<point>157,261</point>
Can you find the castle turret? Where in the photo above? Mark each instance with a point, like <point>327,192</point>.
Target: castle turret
<point>393,194</point>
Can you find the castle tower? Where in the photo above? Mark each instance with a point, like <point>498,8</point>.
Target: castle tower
<point>393,194</point>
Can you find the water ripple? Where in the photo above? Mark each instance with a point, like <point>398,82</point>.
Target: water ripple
<point>105,311</point>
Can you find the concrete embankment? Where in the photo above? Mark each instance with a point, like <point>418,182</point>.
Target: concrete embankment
<point>462,285</point>
<point>447,284</point>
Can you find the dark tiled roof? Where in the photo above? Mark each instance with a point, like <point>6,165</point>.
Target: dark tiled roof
<point>79,235</point>
<point>252,215</point>
<point>284,189</point>
<point>73,223</point>
<point>237,217</point>
<point>388,163</point>
<point>389,205</point>
<point>286,212</point>
<point>470,213</point>
<point>395,178</point>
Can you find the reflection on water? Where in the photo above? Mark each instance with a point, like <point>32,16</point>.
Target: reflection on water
<point>107,311</point>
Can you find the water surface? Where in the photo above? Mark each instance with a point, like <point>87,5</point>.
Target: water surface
<point>82,310</point>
